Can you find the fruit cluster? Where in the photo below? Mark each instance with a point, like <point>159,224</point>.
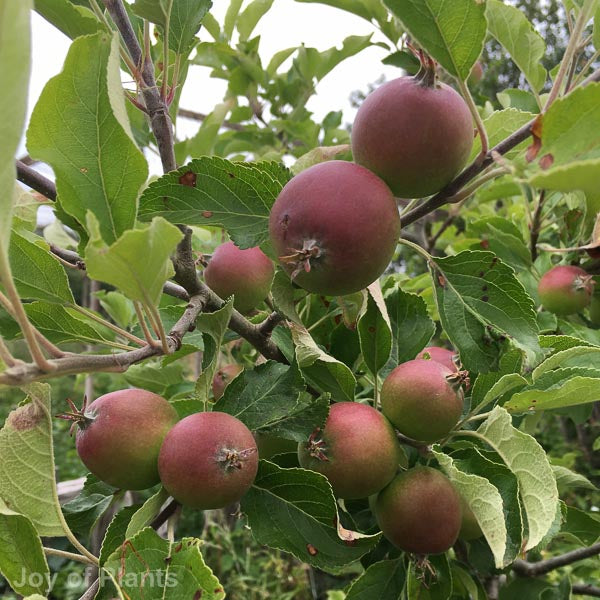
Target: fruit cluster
<point>132,439</point>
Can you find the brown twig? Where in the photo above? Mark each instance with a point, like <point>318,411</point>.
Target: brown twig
<point>536,223</point>
<point>535,569</point>
<point>35,180</point>
<point>586,589</point>
<point>196,116</point>
<point>156,107</point>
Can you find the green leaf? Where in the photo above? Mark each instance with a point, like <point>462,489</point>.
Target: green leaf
<point>451,32</point>
<point>27,483</point>
<point>569,157</point>
<point>519,99</point>
<point>154,377</point>
<point>283,293</point>
<point>320,369</point>
<point>119,308</point>
<point>490,466</point>
<point>481,302</point>
<point>567,480</point>
<point>484,500</point>
<point>22,560</point>
<point>79,126</point>
<point>525,45</point>
<point>204,140</point>
<point>528,461</point>
<point>73,20</point>
<point>581,527</point>
<point>184,19</point>
<point>82,513</point>
<point>294,510</point>
<point>37,274</point>
<point>560,388</point>
<point>510,363</point>
<point>250,16</point>
<point>499,125</point>
<point>503,238</point>
<point>214,191</point>
<point>144,516</point>
<point>412,327</point>
<point>175,565</point>
<point>214,325</point>
<point>268,396</point>
<point>375,331</point>
<point>580,355</point>
<point>115,533</point>
<point>14,80</point>
<point>382,580</point>
<point>138,263</point>
<point>60,324</point>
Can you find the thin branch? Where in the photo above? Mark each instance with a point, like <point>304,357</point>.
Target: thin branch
<point>535,569</point>
<point>158,111</point>
<point>68,256</point>
<point>586,589</point>
<point>536,224</point>
<point>197,116</point>
<point>267,326</point>
<point>35,180</point>
<point>20,374</point>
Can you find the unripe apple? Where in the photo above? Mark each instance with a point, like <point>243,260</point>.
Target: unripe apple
<point>334,228</point>
<point>357,450</point>
<point>565,290</point>
<point>119,437</point>
<point>245,274</point>
<point>419,511</point>
<point>415,133</point>
<point>422,399</point>
<point>223,378</point>
<point>440,355</point>
<point>208,460</point>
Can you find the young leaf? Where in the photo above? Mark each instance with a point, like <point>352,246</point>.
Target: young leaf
<point>82,513</point>
<point>567,480</point>
<point>250,16</point>
<point>484,499</point>
<point>481,302</point>
<point>116,532</point>
<point>320,369</point>
<point>528,461</point>
<point>184,18</point>
<point>138,263</point>
<point>214,325</point>
<point>163,566</point>
<point>37,274</point>
<point>525,45</point>
<point>451,32</point>
<point>73,20</point>
<point>27,462</point>
<point>374,331</point>
<point>14,79</point>
<point>119,308</point>
<point>294,510</point>
<point>79,126</point>
<point>214,191</point>
<point>569,156</point>
<point>146,513</point>
<point>503,238</point>
<point>412,327</point>
<point>264,396</point>
<point>382,580</point>
<point>21,554</point>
